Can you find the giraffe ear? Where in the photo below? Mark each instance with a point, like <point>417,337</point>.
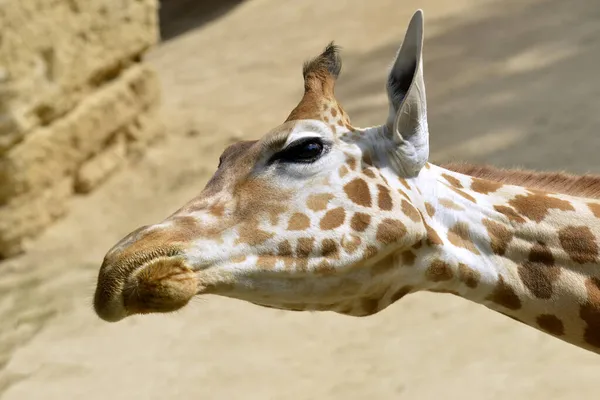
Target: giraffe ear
<point>407,120</point>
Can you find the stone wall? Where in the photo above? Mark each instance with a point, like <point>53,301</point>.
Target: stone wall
<point>76,101</point>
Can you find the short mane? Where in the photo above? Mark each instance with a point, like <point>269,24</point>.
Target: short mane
<point>587,185</point>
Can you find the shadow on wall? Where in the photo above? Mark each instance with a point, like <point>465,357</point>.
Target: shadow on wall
<point>178,16</point>
<point>514,85</point>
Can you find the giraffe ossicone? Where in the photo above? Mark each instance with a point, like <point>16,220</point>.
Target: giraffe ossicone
<point>320,215</point>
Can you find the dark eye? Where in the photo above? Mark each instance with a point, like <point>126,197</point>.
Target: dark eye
<point>302,151</point>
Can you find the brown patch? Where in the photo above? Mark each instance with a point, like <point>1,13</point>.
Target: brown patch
<point>404,183</point>
<point>536,206</point>
<point>468,275</point>
<point>351,162</point>
<point>369,173</point>
<point>539,273</point>
<point>410,211</point>
<point>350,243</point>
<point>432,237</point>
<point>333,219</point>
<point>298,222</point>
<point>238,259</point>
<point>551,324</point>
<point>343,171</point>
<point>430,209</point>
<point>580,244</point>
<point>484,186</point>
<point>590,312</point>
<point>500,236</point>
<point>453,181</point>
<point>358,192</point>
<point>251,234</point>
<point>408,257</point>
<point>439,271</point>
<point>284,249</point>
<point>333,111</point>
<point>329,248</point>
<point>324,268</point>
<point>417,245</point>
<point>400,293</point>
<point>459,236</point>
<point>390,231</point>
<point>360,221</point>
<point>266,262</point>
<point>304,247</point>
<point>366,158</point>
<point>510,213</point>
<point>451,205</point>
<point>217,209</point>
<point>384,200</point>
<point>318,202</point>
<point>465,195</point>
<point>595,209</point>
<point>504,295</point>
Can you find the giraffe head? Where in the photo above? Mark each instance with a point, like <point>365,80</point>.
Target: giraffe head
<point>311,216</point>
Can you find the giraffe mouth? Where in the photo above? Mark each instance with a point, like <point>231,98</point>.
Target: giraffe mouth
<point>158,285</point>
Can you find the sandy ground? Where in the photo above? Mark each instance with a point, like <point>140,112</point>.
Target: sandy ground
<point>510,82</point>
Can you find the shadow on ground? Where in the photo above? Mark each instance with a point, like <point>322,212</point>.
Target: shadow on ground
<point>178,16</point>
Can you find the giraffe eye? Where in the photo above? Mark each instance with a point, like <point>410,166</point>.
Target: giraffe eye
<point>305,150</point>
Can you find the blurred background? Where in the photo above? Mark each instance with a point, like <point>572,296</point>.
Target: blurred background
<point>113,113</point>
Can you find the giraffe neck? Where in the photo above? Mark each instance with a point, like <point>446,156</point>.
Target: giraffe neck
<point>527,254</point>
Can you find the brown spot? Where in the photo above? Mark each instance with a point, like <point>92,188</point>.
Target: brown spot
<point>357,190</point>
<point>298,222</point>
<point>333,112</point>
<point>351,161</point>
<point>404,183</point>
<point>384,200</point>
<point>410,211</point>
<point>324,268</point>
<point>453,181</point>
<point>350,243</point>
<point>238,259</point>
<point>266,262</point>
<point>417,245</point>
<point>369,173</point>
<point>504,295</point>
<point>360,221</point>
<point>459,236</point>
<point>408,257</point>
<point>329,248</point>
<point>484,186</point>
<point>590,312</point>
<point>500,236</point>
<point>343,171</point>
<point>536,206</point>
<point>318,202</point>
<point>510,213</point>
<point>217,209</point>
<point>304,247</point>
<point>595,209</point>
<point>580,244</point>
<point>538,273</point>
<point>465,195</point>
<point>430,209</point>
<point>551,324</point>
<point>468,275</point>
<point>366,158</point>
<point>400,293</point>
<point>333,219</point>
<point>390,231</point>
<point>432,237</point>
<point>439,271</point>
<point>451,205</point>
<point>284,249</point>
<point>333,128</point>
<point>252,235</point>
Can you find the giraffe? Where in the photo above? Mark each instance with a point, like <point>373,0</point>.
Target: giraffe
<point>319,215</point>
